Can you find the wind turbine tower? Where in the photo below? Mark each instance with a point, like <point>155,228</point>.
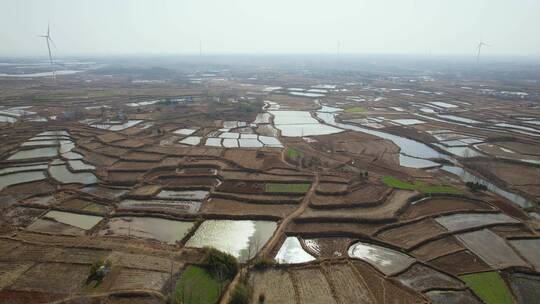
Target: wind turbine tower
<point>49,42</point>
<point>480,45</point>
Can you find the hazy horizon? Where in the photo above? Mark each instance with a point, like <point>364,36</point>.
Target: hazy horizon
<point>151,28</point>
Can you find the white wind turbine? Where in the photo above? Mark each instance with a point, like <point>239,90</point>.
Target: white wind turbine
<point>480,45</point>
<point>49,42</point>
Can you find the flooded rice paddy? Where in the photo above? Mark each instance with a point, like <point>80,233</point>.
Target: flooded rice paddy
<point>36,167</point>
<point>191,140</point>
<point>459,119</point>
<point>300,123</point>
<point>40,143</point>
<point>451,297</point>
<point>164,230</point>
<point>82,221</point>
<point>291,252</point>
<point>185,131</point>
<point>308,94</point>
<point>386,260</point>
<point>170,205</point>
<point>443,104</point>
<point>526,287</point>
<point>21,177</point>
<point>8,119</point>
<point>62,174</point>
<point>420,277</point>
<point>491,248</point>
<point>529,249</point>
<point>242,238</point>
<point>79,165</point>
<point>237,140</point>
<point>463,221</point>
<point>72,155</point>
<point>195,195</point>
<point>408,122</point>
<point>57,168</point>
<point>48,152</point>
<point>113,125</point>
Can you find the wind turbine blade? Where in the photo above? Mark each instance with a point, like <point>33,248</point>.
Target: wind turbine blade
<point>54,45</point>
<point>478,54</point>
<point>48,29</point>
<point>50,55</point>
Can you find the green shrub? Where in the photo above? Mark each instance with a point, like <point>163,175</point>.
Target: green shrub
<point>220,265</point>
<point>262,264</point>
<point>241,294</point>
<point>98,271</point>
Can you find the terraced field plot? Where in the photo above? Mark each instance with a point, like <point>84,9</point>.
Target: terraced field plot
<point>345,186</point>
<point>489,286</point>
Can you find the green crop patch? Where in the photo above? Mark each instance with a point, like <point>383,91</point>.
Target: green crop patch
<point>293,153</point>
<point>489,286</point>
<point>355,110</point>
<point>419,186</point>
<point>287,188</point>
<point>197,286</point>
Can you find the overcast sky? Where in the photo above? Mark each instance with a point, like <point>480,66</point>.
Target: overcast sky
<point>511,27</point>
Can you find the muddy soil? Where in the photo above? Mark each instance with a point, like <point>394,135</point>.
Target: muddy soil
<point>439,205</point>
<point>238,208</point>
<point>363,195</point>
<point>437,248</point>
<point>409,235</point>
<point>460,263</point>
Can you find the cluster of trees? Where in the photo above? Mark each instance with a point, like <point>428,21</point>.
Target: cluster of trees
<point>249,107</point>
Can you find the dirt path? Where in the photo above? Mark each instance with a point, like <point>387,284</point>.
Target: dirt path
<point>274,240</point>
<point>230,288</point>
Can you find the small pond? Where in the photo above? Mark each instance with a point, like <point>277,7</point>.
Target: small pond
<point>242,238</point>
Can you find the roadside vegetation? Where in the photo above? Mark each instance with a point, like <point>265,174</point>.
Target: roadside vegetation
<point>287,188</point>
<point>220,265</point>
<point>262,264</point>
<point>489,286</point>
<point>241,294</point>
<point>355,110</point>
<point>394,182</point>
